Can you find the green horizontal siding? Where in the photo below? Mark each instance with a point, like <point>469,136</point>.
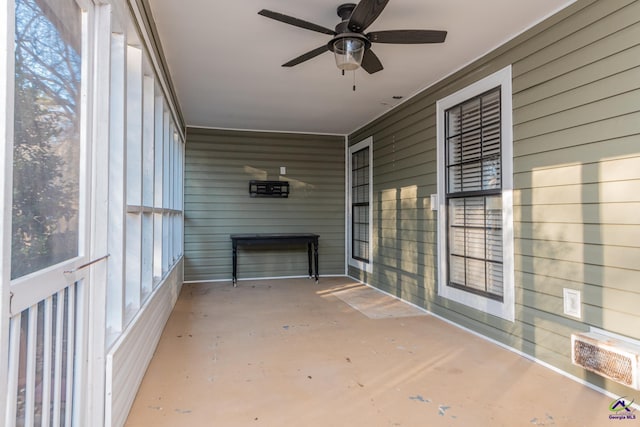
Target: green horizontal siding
<point>219,166</point>
<point>576,123</point>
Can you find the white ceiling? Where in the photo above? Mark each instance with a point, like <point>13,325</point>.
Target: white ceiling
<point>225,59</point>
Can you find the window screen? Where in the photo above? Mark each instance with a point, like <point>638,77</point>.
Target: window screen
<point>47,119</point>
<point>474,195</point>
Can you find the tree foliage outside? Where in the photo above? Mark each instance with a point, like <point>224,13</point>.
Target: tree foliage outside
<point>46,135</point>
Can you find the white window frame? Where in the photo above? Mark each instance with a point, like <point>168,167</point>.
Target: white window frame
<point>361,265</point>
<point>504,309</point>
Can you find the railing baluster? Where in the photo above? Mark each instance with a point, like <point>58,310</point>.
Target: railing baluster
<point>14,363</point>
<point>57,365</point>
<point>71,342</point>
<point>32,335</point>
<point>46,366</point>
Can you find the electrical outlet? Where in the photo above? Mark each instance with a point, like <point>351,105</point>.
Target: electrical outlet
<point>572,305</point>
<point>283,170</point>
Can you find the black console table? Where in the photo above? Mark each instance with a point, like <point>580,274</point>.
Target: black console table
<point>311,240</point>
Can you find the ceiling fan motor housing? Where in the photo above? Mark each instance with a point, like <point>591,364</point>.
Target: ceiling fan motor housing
<point>342,29</point>
<point>345,11</point>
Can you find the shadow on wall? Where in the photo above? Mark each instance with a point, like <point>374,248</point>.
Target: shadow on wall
<point>400,244</point>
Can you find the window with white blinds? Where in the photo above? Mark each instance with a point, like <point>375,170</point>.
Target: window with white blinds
<point>359,211</point>
<point>473,195</point>
<point>360,204</point>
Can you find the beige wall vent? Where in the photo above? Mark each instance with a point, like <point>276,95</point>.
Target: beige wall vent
<point>609,357</point>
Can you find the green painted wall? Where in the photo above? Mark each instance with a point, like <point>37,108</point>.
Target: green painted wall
<point>576,99</point>
<point>219,166</point>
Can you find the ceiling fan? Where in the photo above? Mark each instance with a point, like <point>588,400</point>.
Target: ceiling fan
<point>351,47</point>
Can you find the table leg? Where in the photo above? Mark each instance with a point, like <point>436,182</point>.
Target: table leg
<point>309,256</point>
<point>315,256</point>
<point>235,264</point>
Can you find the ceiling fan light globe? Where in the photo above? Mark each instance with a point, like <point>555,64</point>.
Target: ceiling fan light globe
<point>348,53</point>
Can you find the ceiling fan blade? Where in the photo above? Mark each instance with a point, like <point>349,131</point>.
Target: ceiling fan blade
<point>296,22</point>
<point>365,13</point>
<point>307,56</point>
<point>370,62</point>
<point>407,36</point>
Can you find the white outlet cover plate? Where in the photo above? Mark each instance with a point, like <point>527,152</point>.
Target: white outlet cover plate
<point>433,200</point>
<point>572,304</point>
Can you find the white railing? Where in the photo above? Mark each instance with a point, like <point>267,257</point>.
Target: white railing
<point>44,361</point>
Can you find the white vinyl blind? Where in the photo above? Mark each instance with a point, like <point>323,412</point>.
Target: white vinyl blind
<point>474,195</point>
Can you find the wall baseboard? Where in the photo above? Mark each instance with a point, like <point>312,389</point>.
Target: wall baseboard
<point>186,282</point>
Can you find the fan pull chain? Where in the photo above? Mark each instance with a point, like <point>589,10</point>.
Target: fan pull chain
<point>354,79</point>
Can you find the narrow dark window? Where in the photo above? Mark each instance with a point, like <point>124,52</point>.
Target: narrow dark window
<point>474,195</point>
<point>360,205</point>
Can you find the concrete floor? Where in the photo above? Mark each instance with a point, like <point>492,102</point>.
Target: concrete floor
<point>293,353</point>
